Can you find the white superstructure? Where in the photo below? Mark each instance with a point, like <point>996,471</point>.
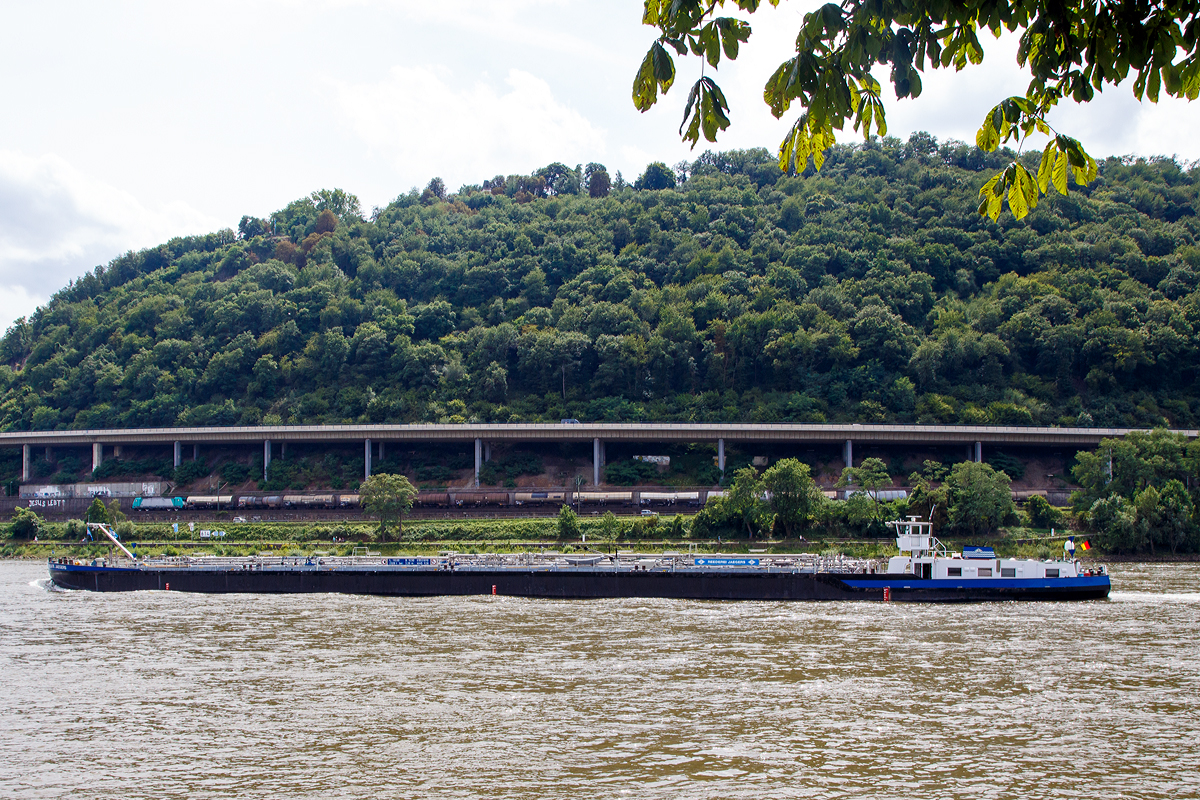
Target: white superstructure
<point>925,558</point>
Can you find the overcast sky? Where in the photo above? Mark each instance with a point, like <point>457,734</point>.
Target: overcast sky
<point>129,122</point>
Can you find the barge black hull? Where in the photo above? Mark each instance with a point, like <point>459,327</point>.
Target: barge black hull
<point>568,584</point>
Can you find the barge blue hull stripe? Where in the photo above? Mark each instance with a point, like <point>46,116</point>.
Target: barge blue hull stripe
<point>1087,581</point>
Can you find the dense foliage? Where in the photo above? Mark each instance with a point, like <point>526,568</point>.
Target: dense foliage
<point>1141,493</point>
<point>974,499</point>
<point>869,292</point>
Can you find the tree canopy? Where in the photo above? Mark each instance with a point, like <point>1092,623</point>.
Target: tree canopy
<point>389,497</point>
<point>980,497</point>
<point>1135,492</point>
<point>868,292</point>
<point>1070,49</point>
<point>792,495</point>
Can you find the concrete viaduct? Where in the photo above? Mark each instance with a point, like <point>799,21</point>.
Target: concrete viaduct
<point>375,437</point>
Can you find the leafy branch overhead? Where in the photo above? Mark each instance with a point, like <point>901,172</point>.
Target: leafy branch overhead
<point>1071,49</point>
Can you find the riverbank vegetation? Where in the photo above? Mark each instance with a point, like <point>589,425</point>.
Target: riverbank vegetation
<point>782,503</point>
<point>1139,493</point>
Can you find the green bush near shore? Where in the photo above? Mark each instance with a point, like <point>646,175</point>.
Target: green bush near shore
<point>601,532</point>
<point>414,530</point>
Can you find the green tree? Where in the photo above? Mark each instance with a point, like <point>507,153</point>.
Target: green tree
<point>1071,50</point>
<point>568,523</point>
<point>793,494</point>
<point>609,526</point>
<point>926,500</point>
<point>745,500</point>
<point>249,227</point>
<point>97,512</point>
<point>678,527</point>
<point>872,475</point>
<point>597,180</point>
<point>341,203</point>
<point>388,496</point>
<point>436,190</point>
<point>25,524</point>
<point>560,179</point>
<point>1114,520</point>
<point>1041,513</point>
<point>657,176</point>
<point>980,497</point>
<point>1164,519</point>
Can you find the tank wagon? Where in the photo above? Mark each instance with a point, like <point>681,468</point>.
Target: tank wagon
<point>430,499</point>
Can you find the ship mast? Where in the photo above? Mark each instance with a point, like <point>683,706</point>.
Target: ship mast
<point>107,531</point>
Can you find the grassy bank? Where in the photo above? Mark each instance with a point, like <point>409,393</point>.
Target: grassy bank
<point>854,548</point>
<point>479,535</point>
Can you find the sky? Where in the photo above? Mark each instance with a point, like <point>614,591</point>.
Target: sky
<point>129,122</point>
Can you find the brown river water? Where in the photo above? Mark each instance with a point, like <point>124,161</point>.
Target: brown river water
<point>170,695</point>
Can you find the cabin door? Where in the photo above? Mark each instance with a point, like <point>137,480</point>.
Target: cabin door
<point>925,571</point>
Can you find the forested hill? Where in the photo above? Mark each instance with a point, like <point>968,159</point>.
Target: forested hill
<point>870,292</point>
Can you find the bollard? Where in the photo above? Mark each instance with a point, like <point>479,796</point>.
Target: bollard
<point>168,587</point>
<point>887,594</point>
<point>493,588</point>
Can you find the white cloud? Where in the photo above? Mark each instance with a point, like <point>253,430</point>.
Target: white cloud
<point>424,125</point>
<point>16,302</point>
<point>56,223</point>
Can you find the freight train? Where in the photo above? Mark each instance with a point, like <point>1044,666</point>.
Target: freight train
<point>447,498</point>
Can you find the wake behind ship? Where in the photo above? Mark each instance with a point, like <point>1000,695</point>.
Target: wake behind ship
<point>924,572</point>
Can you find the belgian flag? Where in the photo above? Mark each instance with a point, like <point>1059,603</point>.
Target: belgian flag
<point>1085,545</point>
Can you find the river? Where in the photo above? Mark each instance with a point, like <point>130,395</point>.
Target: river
<point>170,695</point>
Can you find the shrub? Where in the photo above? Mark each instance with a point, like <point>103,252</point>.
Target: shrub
<point>1041,513</point>
<point>25,524</point>
<point>568,523</point>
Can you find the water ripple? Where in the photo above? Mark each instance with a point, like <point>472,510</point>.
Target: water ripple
<point>156,694</point>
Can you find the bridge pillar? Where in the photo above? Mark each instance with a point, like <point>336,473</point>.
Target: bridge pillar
<point>848,453</point>
<point>596,447</point>
<point>117,451</point>
<point>266,458</point>
<point>98,455</point>
<point>721,456</point>
<point>25,458</point>
<point>478,459</point>
<point>487,451</point>
<point>195,452</point>
<point>283,449</point>
<point>178,455</point>
<point>381,450</point>
<point>978,452</point>
<point>367,458</point>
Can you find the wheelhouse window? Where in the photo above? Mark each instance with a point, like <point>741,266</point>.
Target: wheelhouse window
<point>1051,573</point>
<point>954,572</point>
<point>1008,572</point>
<point>985,572</point>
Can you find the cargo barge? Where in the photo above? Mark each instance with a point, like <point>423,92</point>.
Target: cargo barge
<point>923,572</point>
